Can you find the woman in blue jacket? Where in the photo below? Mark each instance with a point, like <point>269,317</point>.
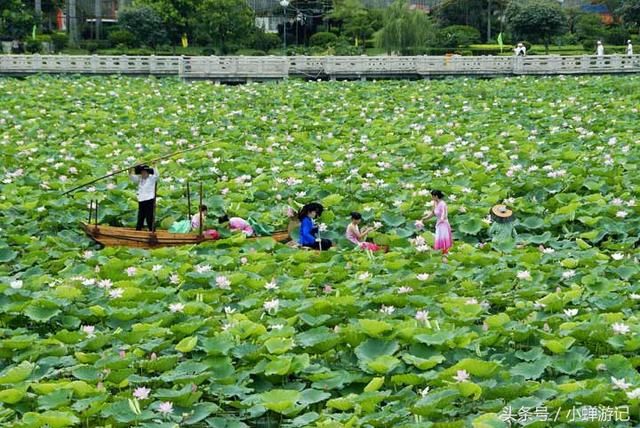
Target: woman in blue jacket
<point>308,229</point>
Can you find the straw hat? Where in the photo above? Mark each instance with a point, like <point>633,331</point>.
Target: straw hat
<point>501,213</point>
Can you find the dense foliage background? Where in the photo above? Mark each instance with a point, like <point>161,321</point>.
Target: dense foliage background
<point>237,333</point>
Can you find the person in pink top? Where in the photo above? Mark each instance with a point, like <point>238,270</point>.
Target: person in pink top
<point>237,224</point>
<point>354,234</point>
<point>443,240</point>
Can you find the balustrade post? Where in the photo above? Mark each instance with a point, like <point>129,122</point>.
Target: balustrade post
<point>94,63</point>
<point>36,63</point>
<point>181,67</point>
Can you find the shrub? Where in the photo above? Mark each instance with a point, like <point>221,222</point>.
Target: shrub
<point>90,45</point>
<point>32,45</point>
<point>265,41</point>
<point>457,35</point>
<point>59,40</point>
<point>250,52</point>
<point>323,38</point>
<point>122,37</point>
<point>494,49</point>
<point>616,35</point>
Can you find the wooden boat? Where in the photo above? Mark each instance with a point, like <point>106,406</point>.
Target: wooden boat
<point>110,236</point>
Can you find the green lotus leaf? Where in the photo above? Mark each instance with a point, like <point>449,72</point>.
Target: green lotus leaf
<point>280,400</point>
<point>16,374</point>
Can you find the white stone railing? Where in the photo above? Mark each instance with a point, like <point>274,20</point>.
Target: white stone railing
<point>244,68</point>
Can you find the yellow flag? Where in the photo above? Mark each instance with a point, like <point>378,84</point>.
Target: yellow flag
<point>185,41</point>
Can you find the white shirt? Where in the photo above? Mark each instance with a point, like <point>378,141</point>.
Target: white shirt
<point>600,50</point>
<point>629,49</point>
<point>146,187</point>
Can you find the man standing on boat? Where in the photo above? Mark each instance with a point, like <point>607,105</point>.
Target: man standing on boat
<point>147,179</point>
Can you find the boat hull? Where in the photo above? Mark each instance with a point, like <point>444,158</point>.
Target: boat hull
<point>110,236</point>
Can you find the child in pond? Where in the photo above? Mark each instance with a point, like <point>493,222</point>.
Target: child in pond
<point>356,236</point>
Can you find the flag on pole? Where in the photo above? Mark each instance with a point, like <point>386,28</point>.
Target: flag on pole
<point>33,32</point>
<point>185,41</point>
<point>500,41</point>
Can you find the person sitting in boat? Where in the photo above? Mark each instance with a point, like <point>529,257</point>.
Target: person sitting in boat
<point>308,229</point>
<point>356,236</point>
<point>197,217</point>
<point>146,178</point>
<point>237,224</point>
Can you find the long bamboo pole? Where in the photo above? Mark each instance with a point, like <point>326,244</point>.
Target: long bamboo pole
<point>129,167</point>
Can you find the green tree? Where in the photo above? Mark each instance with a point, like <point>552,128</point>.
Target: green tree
<point>227,24</point>
<point>630,12</point>
<point>357,22</point>
<point>16,19</point>
<point>536,20</point>
<point>404,29</point>
<point>145,24</point>
<point>472,13</point>
<point>177,15</point>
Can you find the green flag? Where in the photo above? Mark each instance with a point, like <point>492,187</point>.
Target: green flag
<point>500,41</point>
<point>33,32</point>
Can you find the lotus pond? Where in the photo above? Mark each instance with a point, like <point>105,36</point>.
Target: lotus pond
<point>238,333</point>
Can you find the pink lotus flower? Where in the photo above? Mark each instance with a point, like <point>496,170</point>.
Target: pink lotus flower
<point>419,224</point>
<point>141,393</point>
<point>131,271</point>
<point>327,288</point>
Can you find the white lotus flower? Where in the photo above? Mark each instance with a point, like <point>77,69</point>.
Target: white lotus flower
<point>423,276</point>
<point>176,307</point>
<point>524,275</point>
<point>634,296</point>
<point>271,306</point>
<point>571,312</point>
<point>87,255</point>
<point>621,214</point>
<point>424,392</point>
<point>16,285</point>
<point>423,316</point>
<point>634,394</point>
<point>568,274</point>
<point>116,293</point>
<point>617,256</point>
<point>203,268</point>
<point>223,282</point>
<point>461,376</point>
<point>130,271</point>
<point>89,330</point>
<point>174,279</point>
<point>620,328</point>
<point>271,285</point>
<point>404,290</point>
<point>388,310</point>
<point>620,383</point>
<point>364,276</point>
<point>322,227</point>
<point>156,268</point>
<point>105,283</point>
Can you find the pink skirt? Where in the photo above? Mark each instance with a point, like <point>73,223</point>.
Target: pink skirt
<point>369,246</point>
<point>443,240</point>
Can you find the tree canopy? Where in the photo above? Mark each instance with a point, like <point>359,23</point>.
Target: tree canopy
<point>536,20</point>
